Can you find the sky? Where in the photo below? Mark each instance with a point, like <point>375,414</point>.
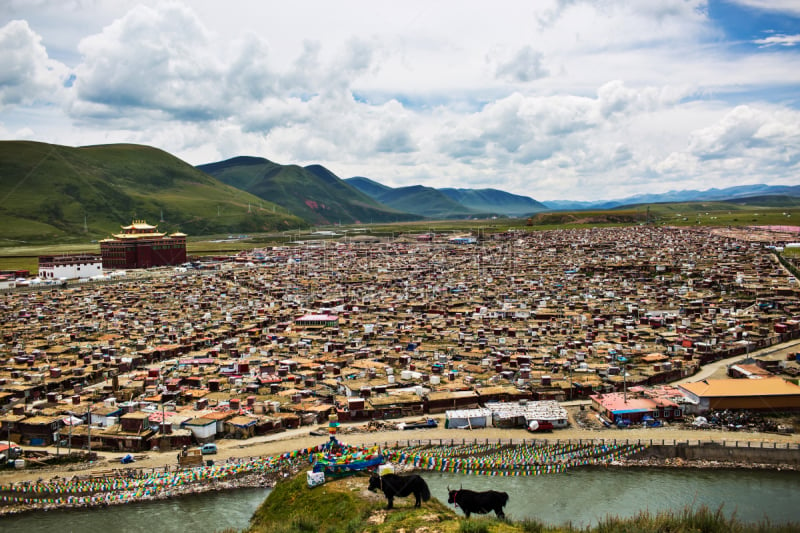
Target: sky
<point>555,100</point>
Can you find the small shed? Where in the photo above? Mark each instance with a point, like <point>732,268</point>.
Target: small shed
<point>241,427</point>
<point>203,429</point>
<point>468,418</point>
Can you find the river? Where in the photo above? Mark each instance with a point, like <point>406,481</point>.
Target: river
<point>581,496</point>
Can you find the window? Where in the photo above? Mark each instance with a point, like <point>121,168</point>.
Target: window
<point>667,413</point>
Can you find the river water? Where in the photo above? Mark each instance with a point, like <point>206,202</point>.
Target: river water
<point>581,496</point>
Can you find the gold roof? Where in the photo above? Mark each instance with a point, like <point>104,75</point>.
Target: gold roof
<point>139,225</point>
<point>137,235</point>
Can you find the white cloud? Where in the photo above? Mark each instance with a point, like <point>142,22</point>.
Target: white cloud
<point>567,99</point>
<point>152,59</point>
<point>26,72</point>
<point>526,65</point>
<point>790,7</point>
<point>737,132</point>
<point>779,40</point>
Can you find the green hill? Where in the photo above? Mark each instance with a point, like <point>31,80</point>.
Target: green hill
<point>51,192</point>
<point>417,199</point>
<point>313,193</point>
<point>495,201</point>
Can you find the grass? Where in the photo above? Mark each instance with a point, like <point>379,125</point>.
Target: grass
<point>16,253</point>
<point>313,195</point>
<point>344,506</point>
<point>330,508</point>
<point>52,193</point>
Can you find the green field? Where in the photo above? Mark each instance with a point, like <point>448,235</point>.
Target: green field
<point>14,255</point>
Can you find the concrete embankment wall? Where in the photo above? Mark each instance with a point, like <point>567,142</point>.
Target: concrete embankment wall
<point>741,452</point>
<point>726,451</point>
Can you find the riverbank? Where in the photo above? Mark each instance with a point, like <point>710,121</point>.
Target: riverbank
<point>279,443</point>
<point>504,456</point>
<point>83,492</point>
<point>106,499</point>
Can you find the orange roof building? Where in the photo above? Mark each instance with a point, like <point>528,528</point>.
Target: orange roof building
<point>755,394</point>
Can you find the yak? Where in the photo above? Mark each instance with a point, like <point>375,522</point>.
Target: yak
<point>471,501</point>
<point>394,485</point>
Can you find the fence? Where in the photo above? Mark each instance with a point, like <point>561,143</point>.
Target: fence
<point>590,442</point>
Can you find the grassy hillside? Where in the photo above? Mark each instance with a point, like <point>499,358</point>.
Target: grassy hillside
<point>423,201</point>
<point>495,201</point>
<point>367,186</point>
<point>59,193</point>
<point>346,506</point>
<point>312,193</point>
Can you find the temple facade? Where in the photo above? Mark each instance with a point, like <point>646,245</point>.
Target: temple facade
<point>141,245</point>
<point>70,266</point>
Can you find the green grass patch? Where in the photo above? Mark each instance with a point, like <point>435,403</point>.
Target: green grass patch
<point>293,507</point>
<point>345,506</point>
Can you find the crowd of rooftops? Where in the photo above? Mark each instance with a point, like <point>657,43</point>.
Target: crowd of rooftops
<point>278,337</point>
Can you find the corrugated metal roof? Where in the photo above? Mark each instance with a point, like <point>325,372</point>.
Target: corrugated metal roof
<point>715,388</point>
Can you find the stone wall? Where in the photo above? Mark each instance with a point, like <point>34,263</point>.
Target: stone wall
<point>729,452</point>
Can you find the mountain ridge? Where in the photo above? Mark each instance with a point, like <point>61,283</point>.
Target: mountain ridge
<point>50,191</point>
<point>313,193</point>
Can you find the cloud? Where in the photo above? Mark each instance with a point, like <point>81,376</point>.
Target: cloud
<point>395,140</point>
<point>763,137</point>
<point>27,74</point>
<point>778,40</point>
<point>525,66</point>
<point>566,99</point>
<point>616,98</point>
<point>162,63</point>
<point>790,7</point>
<point>152,59</point>
<point>249,75</point>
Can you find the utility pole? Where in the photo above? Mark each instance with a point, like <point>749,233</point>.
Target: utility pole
<point>625,383</point>
<point>570,382</point>
<point>89,427</point>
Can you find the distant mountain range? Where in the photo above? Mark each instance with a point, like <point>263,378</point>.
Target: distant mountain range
<point>448,203</point>
<point>51,192</point>
<point>313,193</point>
<point>418,199</point>
<point>776,194</point>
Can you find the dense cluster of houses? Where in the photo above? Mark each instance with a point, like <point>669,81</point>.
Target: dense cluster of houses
<point>279,337</point>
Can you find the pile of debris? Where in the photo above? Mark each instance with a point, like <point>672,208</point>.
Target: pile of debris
<point>739,421</point>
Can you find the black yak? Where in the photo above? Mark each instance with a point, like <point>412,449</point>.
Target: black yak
<point>478,502</point>
<point>393,485</point>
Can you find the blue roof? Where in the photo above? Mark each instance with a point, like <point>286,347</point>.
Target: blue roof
<point>627,411</point>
